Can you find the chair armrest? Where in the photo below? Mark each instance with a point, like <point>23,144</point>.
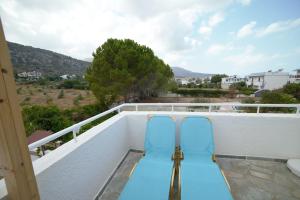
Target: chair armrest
<point>133,168</point>
<point>214,158</point>
<point>178,155</point>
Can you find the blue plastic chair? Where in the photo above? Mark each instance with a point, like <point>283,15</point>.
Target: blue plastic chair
<point>152,176</point>
<point>201,178</point>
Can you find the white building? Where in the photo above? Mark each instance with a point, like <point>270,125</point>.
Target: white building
<point>228,81</point>
<point>195,80</point>
<point>268,80</point>
<point>30,75</point>
<point>295,76</point>
<point>68,76</point>
<point>182,80</point>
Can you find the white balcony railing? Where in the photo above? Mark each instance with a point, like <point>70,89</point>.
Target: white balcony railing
<point>171,106</point>
<point>81,168</point>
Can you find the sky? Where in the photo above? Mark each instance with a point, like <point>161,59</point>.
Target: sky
<point>236,37</point>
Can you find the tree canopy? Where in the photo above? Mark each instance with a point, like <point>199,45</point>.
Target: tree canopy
<point>277,97</point>
<point>45,118</point>
<point>217,78</point>
<point>124,68</point>
<point>292,89</point>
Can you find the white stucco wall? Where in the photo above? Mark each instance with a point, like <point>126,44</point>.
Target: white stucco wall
<point>241,134</point>
<point>273,82</point>
<point>256,82</point>
<point>269,81</point>
<point>78,170</point>
<point>225,85</point>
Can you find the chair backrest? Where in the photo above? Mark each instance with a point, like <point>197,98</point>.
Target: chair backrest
<point>196,135</point>
<point>160,135</point>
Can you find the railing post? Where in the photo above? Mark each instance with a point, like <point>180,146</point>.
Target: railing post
<point>172,108</point>
<point>298,110</point>
<point>258,109</point>
<point>209,108</point>
<point>136,107</point>
<point>119,110</point>
<point>75,131</point>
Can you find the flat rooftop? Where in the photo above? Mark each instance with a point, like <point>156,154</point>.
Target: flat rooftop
<point>248,179</point>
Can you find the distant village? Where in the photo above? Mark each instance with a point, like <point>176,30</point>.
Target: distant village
<point>34,75</point>
<point>269,80</point>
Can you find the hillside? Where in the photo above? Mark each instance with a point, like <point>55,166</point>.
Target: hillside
<point>181,72</point>
<point>27,58</point>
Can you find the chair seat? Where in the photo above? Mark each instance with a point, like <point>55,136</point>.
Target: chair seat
<point>158,156</point>
<point>149,181</point>
<point>203,181</point>
<point>199,157</point>
<point>151,178</point>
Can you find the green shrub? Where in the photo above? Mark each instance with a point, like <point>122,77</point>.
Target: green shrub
<point>19,90</point>
<point>49,100</point>
<point>242,88</point>
<point>73,84</point>
<point>27,99</point>
<point>54,119</point>
<point>77,100</point>
<point>96,122</point>
<point>61,94</point>
<point>275,97</point>
<point>80,97</point>
<point>201,92</point>
<point>44,117</point>
<point>292,89</point>
<point>201,100</point>
<point>249,109</point>
<point>217,78</point>
<point>248,101</point>
<point>42,81</point>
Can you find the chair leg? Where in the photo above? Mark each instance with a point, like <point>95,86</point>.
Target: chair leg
<point>225,180</point>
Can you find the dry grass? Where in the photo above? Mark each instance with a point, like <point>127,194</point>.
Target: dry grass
<point>190,100</point>
<point>43,95</point>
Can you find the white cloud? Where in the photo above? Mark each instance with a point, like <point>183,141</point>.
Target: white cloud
<point>205,30</point>
<point>278,27</point>
<point>77,27</point>
<point>207,27</point>
<point>244,2</point>
<point>215,49</point>
<point>150,8</point>
<point>246,30</point>
<point>215,19</point>
<point>250,58</point>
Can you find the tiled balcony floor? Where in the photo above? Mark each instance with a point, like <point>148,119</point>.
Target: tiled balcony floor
<point>249,179</point>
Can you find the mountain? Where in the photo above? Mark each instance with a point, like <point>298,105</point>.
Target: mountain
<point>181,72</point>
<point>27,58</point>
<point>88,59</point>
